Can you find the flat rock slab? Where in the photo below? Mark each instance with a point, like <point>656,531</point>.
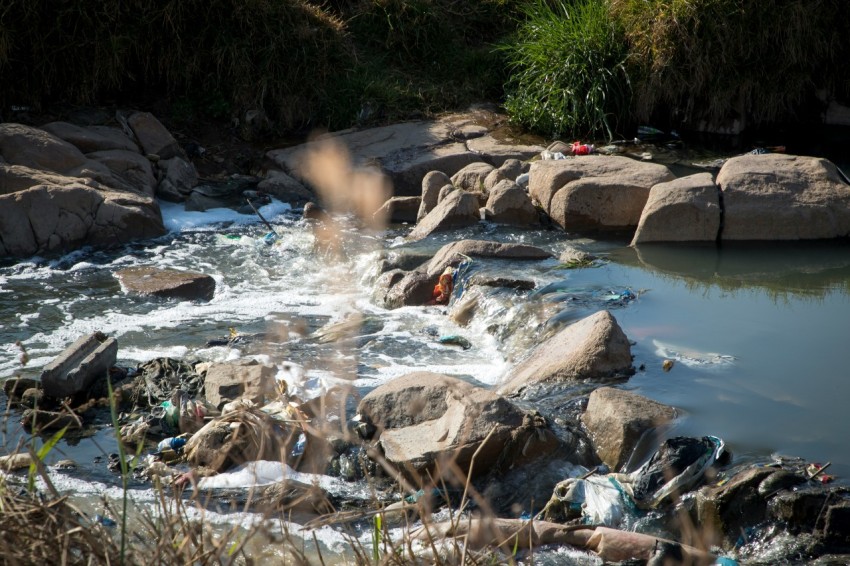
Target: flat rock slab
<point>79,366</point>
<point>227,382</point>
<point>407,152</point>
<point>167,283</point>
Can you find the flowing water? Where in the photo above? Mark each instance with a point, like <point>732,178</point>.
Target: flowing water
<point>757,334</point>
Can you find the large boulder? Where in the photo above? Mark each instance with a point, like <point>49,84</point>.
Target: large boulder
<point>224,383</point>
<point>452,254</point>
<point>37,149</point>
<point>166,283</point>
<point>432,182</point>
<point>471,178</point>
<point>459,209</point>
<point>595,192</point>
<point>178,178</point>
<point>509,204</point>
<point>284,188</point>
<point>92,138</point>
<point>592,348</point>
<point>131,167</point>
<point>154,138</point>
<point>617,420</point>
<point>783,197</point>
<point>399,209</point>
<point>51,219</point>
<point>15,178</point>
<point>683,210</point>
<point>407,289</point>
<point>428,423</point>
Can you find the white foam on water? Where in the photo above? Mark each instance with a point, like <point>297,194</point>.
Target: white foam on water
<point>176,218</point>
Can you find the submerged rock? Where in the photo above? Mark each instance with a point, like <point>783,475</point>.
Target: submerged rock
<point>166,283</point>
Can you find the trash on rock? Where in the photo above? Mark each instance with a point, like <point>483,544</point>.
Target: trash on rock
<point>443,289</point>
<point>676,467</point>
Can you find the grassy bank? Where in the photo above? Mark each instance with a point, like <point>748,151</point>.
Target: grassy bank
<point>566,68</point>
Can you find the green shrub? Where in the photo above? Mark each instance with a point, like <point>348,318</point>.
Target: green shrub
<point>568,74</point>
<point>711,60</point>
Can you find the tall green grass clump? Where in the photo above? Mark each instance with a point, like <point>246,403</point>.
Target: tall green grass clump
<point>709,61</point>
<point>568,74</point>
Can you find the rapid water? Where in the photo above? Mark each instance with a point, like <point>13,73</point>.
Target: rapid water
<point>757,333</point>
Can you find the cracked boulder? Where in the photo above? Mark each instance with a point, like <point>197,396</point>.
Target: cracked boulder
<point>49,218</point>
<point>433,423</point>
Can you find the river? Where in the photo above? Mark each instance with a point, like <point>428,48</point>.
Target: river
<point>757,333</point>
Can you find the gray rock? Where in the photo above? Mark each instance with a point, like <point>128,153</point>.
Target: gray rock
<point>683,210</point>
<point>509,204</point>
<point>493,178</point>
<point>734,506</point>
<point>412,289</point>
<point>512,168</point>
<point>132,168</point>
<point>452,254</point>
<point>166,283</point>
<point>92,138</point>
<point>405,152</point>
<point>497,150</point>
<point>595,192</point>
<point>37,149</point>
<point>617,420</point>
<point>429,423</point>
<point>445,191</point>
<point>153,137</point>
<point>51,218</point>
<point>178,178</point>
<point>431,185</point>
<point>399,209</point>
<point>224,383</point>
<point>458,210</point>
<point>284,188</point>
<point>783,197</point>
<point>471,178</point>
<point>592,348</point>
<point>79,366</point>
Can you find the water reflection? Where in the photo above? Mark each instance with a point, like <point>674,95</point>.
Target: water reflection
<point>793,268</point>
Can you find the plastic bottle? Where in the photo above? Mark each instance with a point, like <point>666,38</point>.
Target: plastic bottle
<point>579,148</point>
<point>171,443</point>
